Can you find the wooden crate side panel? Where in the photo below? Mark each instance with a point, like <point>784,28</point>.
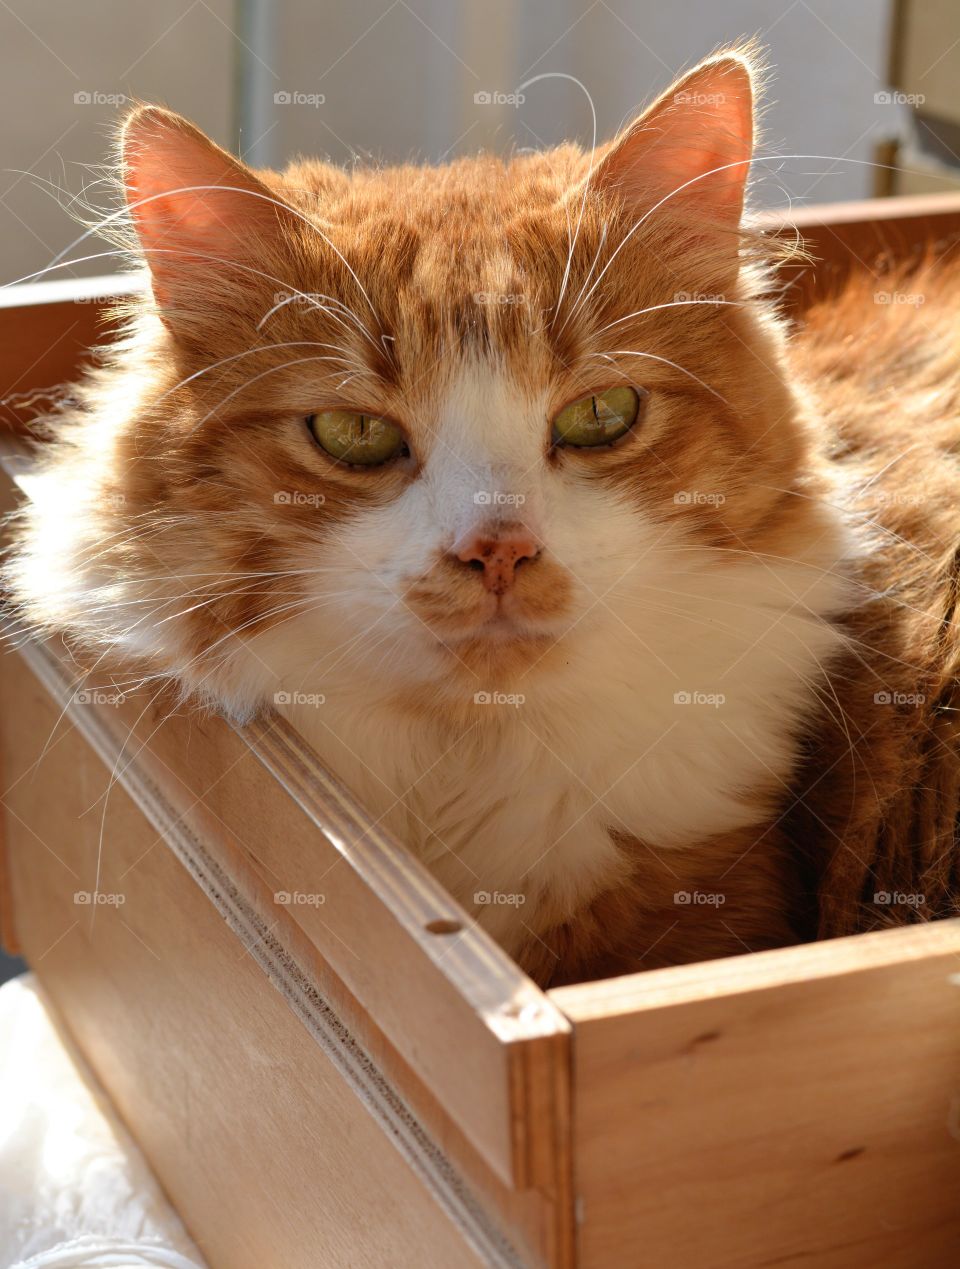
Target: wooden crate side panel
<point>868,236</point>
<point>243,1108</point>
<point>810,1117</point>
<point>46,332</point>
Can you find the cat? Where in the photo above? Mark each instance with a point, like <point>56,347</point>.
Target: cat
<point>509,484</point>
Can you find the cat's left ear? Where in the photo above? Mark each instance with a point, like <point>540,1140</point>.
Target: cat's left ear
<point>692,147</point>
<point>196,209</point>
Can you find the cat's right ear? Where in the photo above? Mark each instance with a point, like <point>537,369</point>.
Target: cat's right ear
<point>691,149</point>
<point>194,206</point>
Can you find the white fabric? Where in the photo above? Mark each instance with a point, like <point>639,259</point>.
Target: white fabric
<point>75,1191</point>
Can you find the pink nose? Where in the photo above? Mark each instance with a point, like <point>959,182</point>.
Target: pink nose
<point>498,553</point>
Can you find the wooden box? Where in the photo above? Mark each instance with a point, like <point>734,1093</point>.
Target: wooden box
<point>328,1065</point>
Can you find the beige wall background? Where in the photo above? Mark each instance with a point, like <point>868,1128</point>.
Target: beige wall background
<point>398,79</point>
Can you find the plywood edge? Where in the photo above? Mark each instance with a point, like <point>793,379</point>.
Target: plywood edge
<point>544,1076</point>
<point>534,1033</point>
<point>96,290</point>
<point>761,971</point>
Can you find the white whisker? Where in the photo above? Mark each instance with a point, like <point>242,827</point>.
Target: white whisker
<point>627,352</point>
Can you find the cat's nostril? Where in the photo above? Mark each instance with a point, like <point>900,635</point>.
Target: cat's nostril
<point>497,554</point>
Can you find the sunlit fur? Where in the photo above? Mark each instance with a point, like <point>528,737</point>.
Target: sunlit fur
<point>185,520</point>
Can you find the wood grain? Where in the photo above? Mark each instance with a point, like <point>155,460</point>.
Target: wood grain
<point>796,1106</point>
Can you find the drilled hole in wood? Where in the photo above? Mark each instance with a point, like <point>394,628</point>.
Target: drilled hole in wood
<point>443,927</point>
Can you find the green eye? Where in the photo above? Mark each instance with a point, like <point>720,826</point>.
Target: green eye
<point>359,439</point>
<point>597,419</point>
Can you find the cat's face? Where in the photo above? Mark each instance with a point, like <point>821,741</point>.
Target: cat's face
<point>445,426</point>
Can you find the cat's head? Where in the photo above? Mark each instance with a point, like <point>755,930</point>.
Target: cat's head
<point>427,429</point>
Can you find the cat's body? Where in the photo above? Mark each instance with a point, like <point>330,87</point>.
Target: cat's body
<point>585,682</point>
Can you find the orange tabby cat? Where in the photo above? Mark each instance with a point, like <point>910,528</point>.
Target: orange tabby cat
<point>505,482</point>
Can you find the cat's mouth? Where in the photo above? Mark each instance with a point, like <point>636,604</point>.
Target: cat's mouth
<point>465,615</point>
<point>500,649</point>
<point>504,626</point>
